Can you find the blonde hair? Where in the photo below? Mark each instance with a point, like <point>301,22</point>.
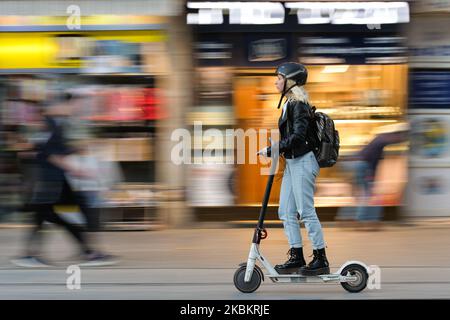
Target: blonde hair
<point>297,93</point>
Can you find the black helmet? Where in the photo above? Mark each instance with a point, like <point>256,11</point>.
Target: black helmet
<point>294,71</point>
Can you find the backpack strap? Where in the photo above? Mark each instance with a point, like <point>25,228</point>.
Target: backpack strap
<point>310,134</point>
<point>312,110</point>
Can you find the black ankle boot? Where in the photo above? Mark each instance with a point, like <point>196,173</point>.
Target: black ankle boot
<point>319,265</point>
<point>294,262</point>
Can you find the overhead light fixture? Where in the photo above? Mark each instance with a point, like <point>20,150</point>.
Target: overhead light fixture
<point>239,12</point>
<point>350,12</point>
<point>259,12</point>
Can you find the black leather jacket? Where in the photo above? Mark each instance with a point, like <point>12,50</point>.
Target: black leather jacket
<point>293,128</point>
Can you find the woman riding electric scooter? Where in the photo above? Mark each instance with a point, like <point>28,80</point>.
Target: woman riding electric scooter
<point>301,170</point>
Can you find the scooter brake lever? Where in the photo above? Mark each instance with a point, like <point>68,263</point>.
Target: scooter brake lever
<point>262,233</point>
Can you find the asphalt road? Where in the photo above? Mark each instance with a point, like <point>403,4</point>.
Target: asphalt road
<point>200,263</point>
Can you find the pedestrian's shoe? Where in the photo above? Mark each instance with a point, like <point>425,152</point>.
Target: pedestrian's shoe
<point>319,265</point>
<point>99,259</point>
<point>30,262</point>
<point>294,262</point>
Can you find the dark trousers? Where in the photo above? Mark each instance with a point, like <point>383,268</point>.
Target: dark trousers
<point>45,212</point>
<point>83,199</point>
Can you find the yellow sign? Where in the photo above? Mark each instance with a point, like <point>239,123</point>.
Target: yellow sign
<point>36,50</point>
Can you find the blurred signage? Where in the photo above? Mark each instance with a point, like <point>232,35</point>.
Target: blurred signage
<point>350,12</point>
<point>429,90</point>
<point>432,185</point>
<point>127,103</point>
<point>96,51</point>
<point>213,52</point>
<point>70,50</point>
<point>428,192</point>
<point>261,13</point>
<point>270,49</point>
<point>242,50</point>
<point>352,50</point>
<point>267,50</point>
<point>112,56</point>
<point>430,140</point>
<point>239,12</point>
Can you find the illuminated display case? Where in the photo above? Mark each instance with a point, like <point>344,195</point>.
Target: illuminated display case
<point>362,99</point>
<point>117,71</point>
<point>357,75</point>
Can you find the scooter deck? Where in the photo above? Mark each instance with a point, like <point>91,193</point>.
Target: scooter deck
<point>297,271</point>
<point>331,277</point>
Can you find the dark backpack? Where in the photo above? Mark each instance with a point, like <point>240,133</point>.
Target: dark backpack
<point>324,138</point>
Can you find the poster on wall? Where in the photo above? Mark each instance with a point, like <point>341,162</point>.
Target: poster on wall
<point>112,56</point>
<point>430,140</point>
<point>428,192</point>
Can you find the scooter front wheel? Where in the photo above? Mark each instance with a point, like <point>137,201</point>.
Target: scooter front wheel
<point>360,273</point>
<point>247,287</point>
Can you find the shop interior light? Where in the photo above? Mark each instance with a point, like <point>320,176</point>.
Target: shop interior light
<point>350,12</point>
<point>307,12</point>
<point>239,12</point>
<point>335,69</point>
<point>232,5</point>
<point>207,5</point>
<point>315,20</point>
<point>346,5</point>
<point>212,16</point>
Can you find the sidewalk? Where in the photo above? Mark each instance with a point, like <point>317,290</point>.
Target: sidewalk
<point>417,245</point>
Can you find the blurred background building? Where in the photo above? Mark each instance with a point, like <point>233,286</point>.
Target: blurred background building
<point>429,100</point>
<point>146,68</point>
<point>117,58</point>
<point>358,73</point>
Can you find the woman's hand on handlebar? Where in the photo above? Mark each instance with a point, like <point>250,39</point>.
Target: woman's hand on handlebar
<point>264,152</point>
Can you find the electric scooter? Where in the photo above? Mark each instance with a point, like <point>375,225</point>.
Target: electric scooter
<point>352,275</point>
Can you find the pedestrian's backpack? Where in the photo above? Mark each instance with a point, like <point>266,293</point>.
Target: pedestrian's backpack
<point>324,138</point>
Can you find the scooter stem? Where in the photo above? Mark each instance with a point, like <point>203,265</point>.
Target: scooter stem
<point>262,213</point>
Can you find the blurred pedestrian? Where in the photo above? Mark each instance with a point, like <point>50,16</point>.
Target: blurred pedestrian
<point>51,187</point>
<point>364,166</point>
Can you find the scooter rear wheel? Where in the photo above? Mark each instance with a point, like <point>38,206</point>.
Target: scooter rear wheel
<point>247,287</point>
<point>358,271</point>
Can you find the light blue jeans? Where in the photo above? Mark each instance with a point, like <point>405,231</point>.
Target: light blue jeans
<point>363,182</point>
<point>365,212</point>
<point>297,201</point>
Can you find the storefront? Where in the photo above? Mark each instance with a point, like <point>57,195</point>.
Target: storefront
<point>116,64</point>
<point>358,74</point>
